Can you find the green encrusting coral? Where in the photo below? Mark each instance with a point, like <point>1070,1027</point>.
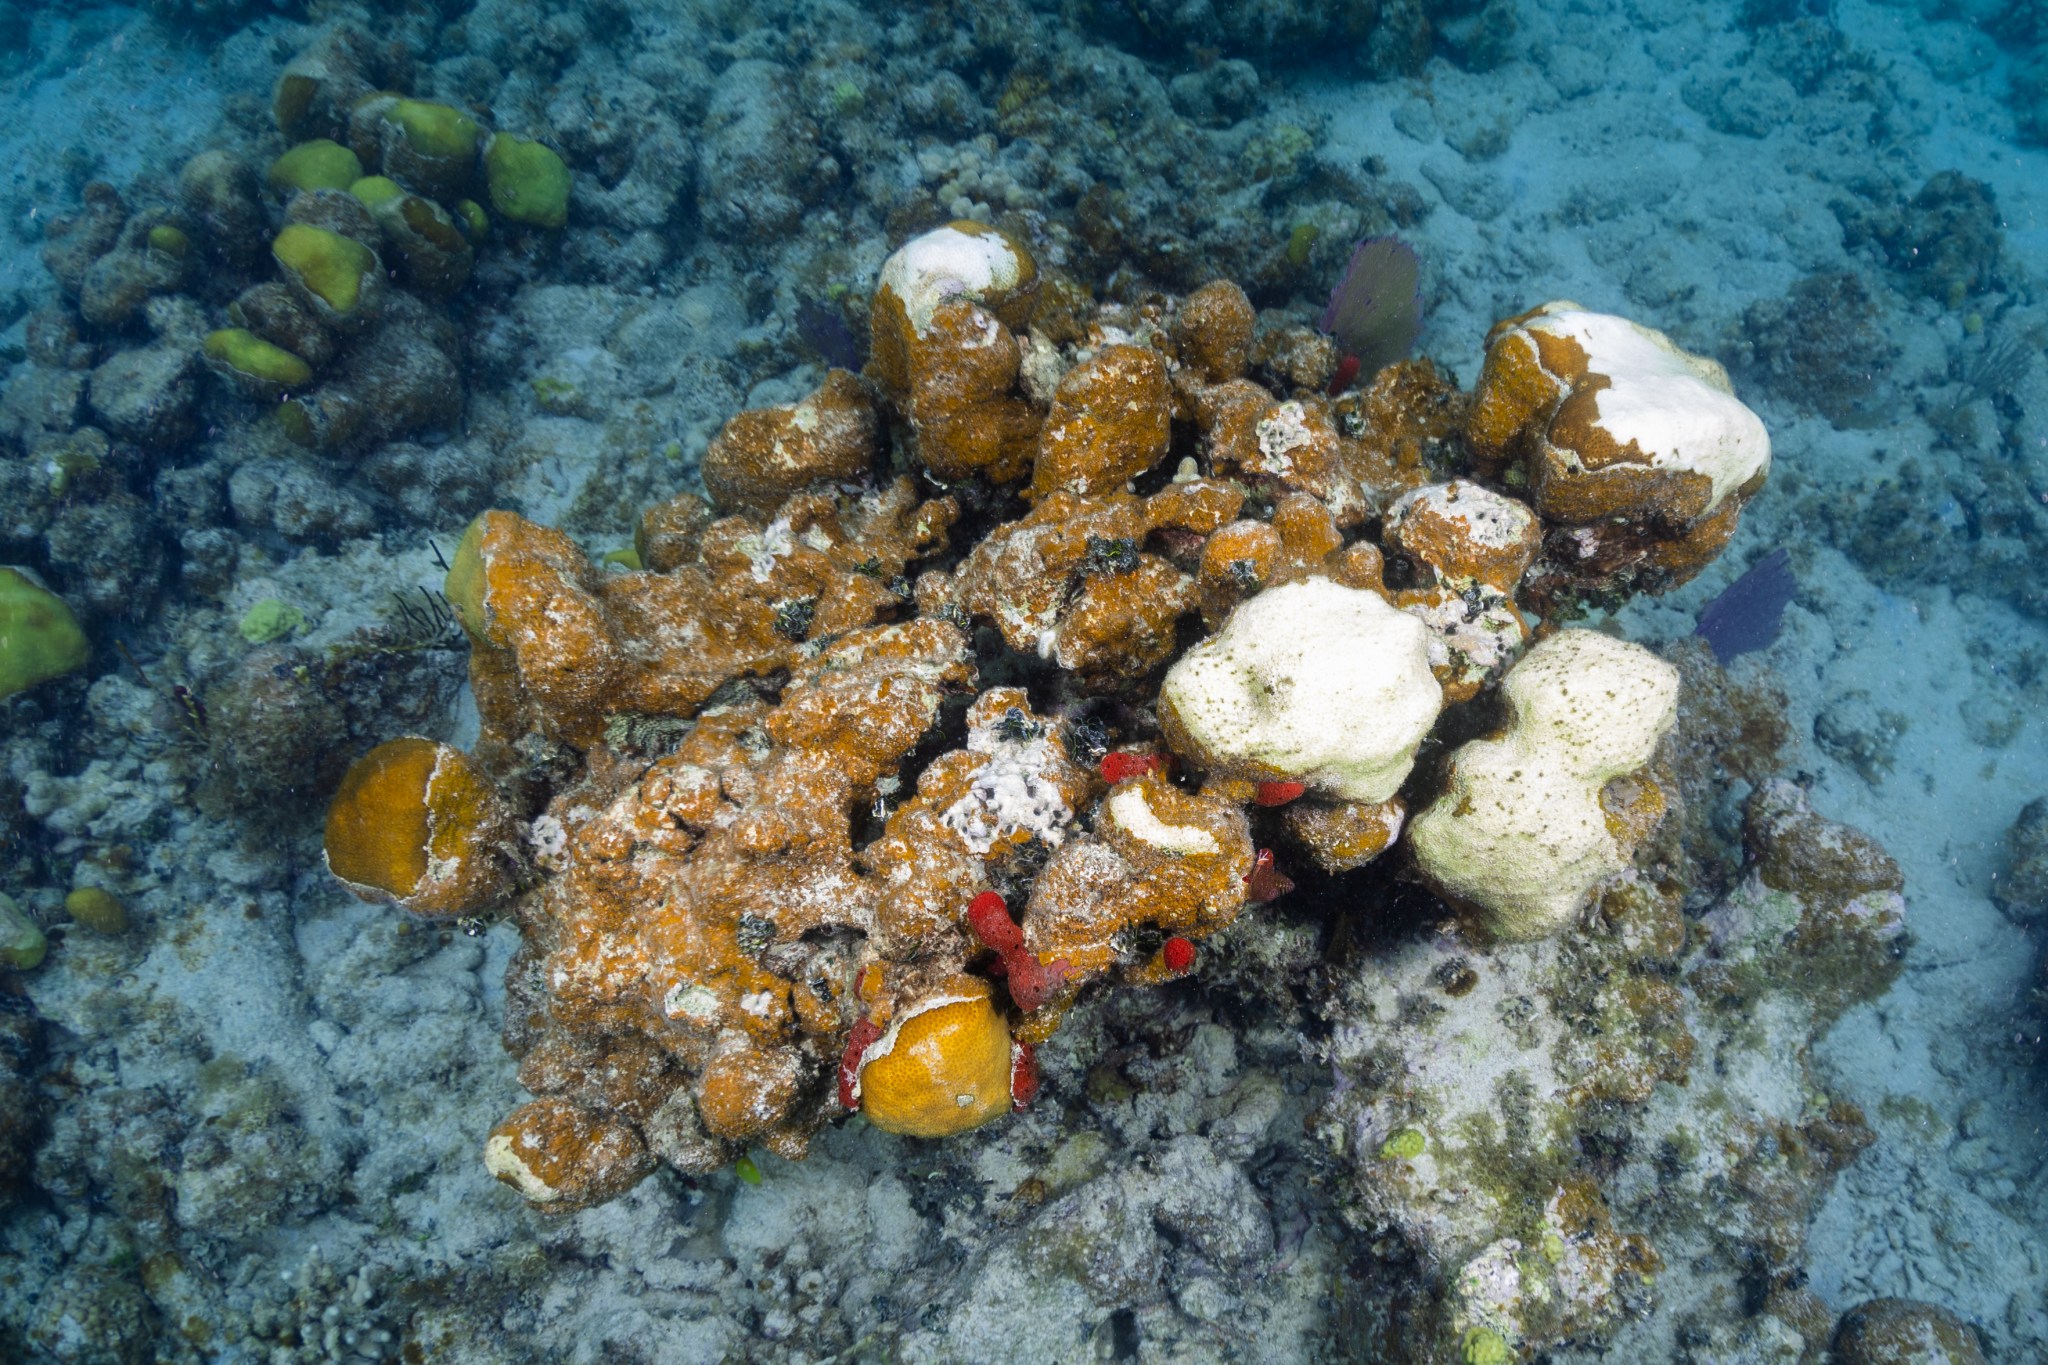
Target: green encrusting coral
<point>322,164</point>
<point>270,620</point>
<point>528,182</point>
<point>327,265</point>
<point>374,190</point>
<point>98,909</point>
<point>171,241</point>
<point>241,354</point>
<point>1405,1145</point>
<point>39,637</point>
<point>436,130</point>
<point>1484,1346</point>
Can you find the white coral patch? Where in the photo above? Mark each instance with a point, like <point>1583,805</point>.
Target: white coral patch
<point>1678,408</point>
<point>1011,794</point>
<point>1327,684</point>
<point>1520,831</point>
<point>1280,435</point>
<point>1135,816</point>
<point>945,263</point>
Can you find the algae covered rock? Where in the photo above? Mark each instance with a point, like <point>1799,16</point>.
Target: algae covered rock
<point>1904,1332</point>
<point>2022,889</point>
<point>22,944</point>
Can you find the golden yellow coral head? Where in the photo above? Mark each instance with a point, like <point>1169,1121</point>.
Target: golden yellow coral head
<point>421,824</point>
<point>942,1068</point>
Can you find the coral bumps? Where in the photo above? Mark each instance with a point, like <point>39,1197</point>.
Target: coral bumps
<point>1018,666</point>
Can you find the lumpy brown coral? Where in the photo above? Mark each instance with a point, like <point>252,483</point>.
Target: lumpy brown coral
<point>845,795</point>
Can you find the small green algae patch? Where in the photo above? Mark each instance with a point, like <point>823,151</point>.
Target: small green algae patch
<point>1405,1145</point>
<point>474,220</point>
<point>1300,242</point>
<point>373,190</point>
<point>22,945</point>
<point>98,909</point>
<point>464,586</point>
<point>528,182</point>
<point>1484,1346</point>
<point>322,164</point>
<point>249,356</point>
<point>326,264</point>
<point>554,395</point>
<point>746,1170</point>
<point>39,637</point>
<point>271,620</point>
<point>170,241</point>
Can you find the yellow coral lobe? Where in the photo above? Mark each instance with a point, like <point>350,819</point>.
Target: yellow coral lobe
<point>377,826</point>
<point>940,1070</point>
<point>464,586</point>
<point>412,822</point>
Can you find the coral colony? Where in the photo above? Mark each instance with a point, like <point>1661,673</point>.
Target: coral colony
<point>896,840</point>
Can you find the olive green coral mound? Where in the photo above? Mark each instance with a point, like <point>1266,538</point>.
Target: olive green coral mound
<point>39,637</point>
<point>529,183</point>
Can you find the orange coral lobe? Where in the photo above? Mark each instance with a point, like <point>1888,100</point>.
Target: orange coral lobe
<point>418,823</point>
<point>941,1069</point>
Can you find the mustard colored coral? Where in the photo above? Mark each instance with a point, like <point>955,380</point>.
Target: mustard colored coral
<point>420,824</point>
<point>942,1067</point>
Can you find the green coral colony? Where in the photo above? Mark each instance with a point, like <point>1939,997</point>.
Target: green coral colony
<point>415,169</point>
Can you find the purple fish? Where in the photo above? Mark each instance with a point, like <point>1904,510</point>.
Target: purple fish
<point>825,331</point>
<point>1745,616</point>
<point>1375,311</point>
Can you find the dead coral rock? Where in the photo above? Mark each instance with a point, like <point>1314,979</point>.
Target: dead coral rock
<point>148,394</point>
<point>1396,429</point>
<point>1465,534</point>
<point>1299,359</point>
<point>1904,1332</point>
<point>561,644</point>
<point>78,240</point>
<point>1639,448</point>
<point>1343,836</point>
<point>710,902</point>
<point>1110,422</point>
<point>1011,790</point>
<point>1821,916</point>
<point>1068,581</point>
<point>946,313</point>
<point>1213,331</point>
<point>1237,561</point>
<point>564,1157</point>
<point>765,454</point>
<point>1160,859</point>
<point>722,949</point>
<point>2022,889</point>
<point>1280,447</point>
<point>1800,851</point>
